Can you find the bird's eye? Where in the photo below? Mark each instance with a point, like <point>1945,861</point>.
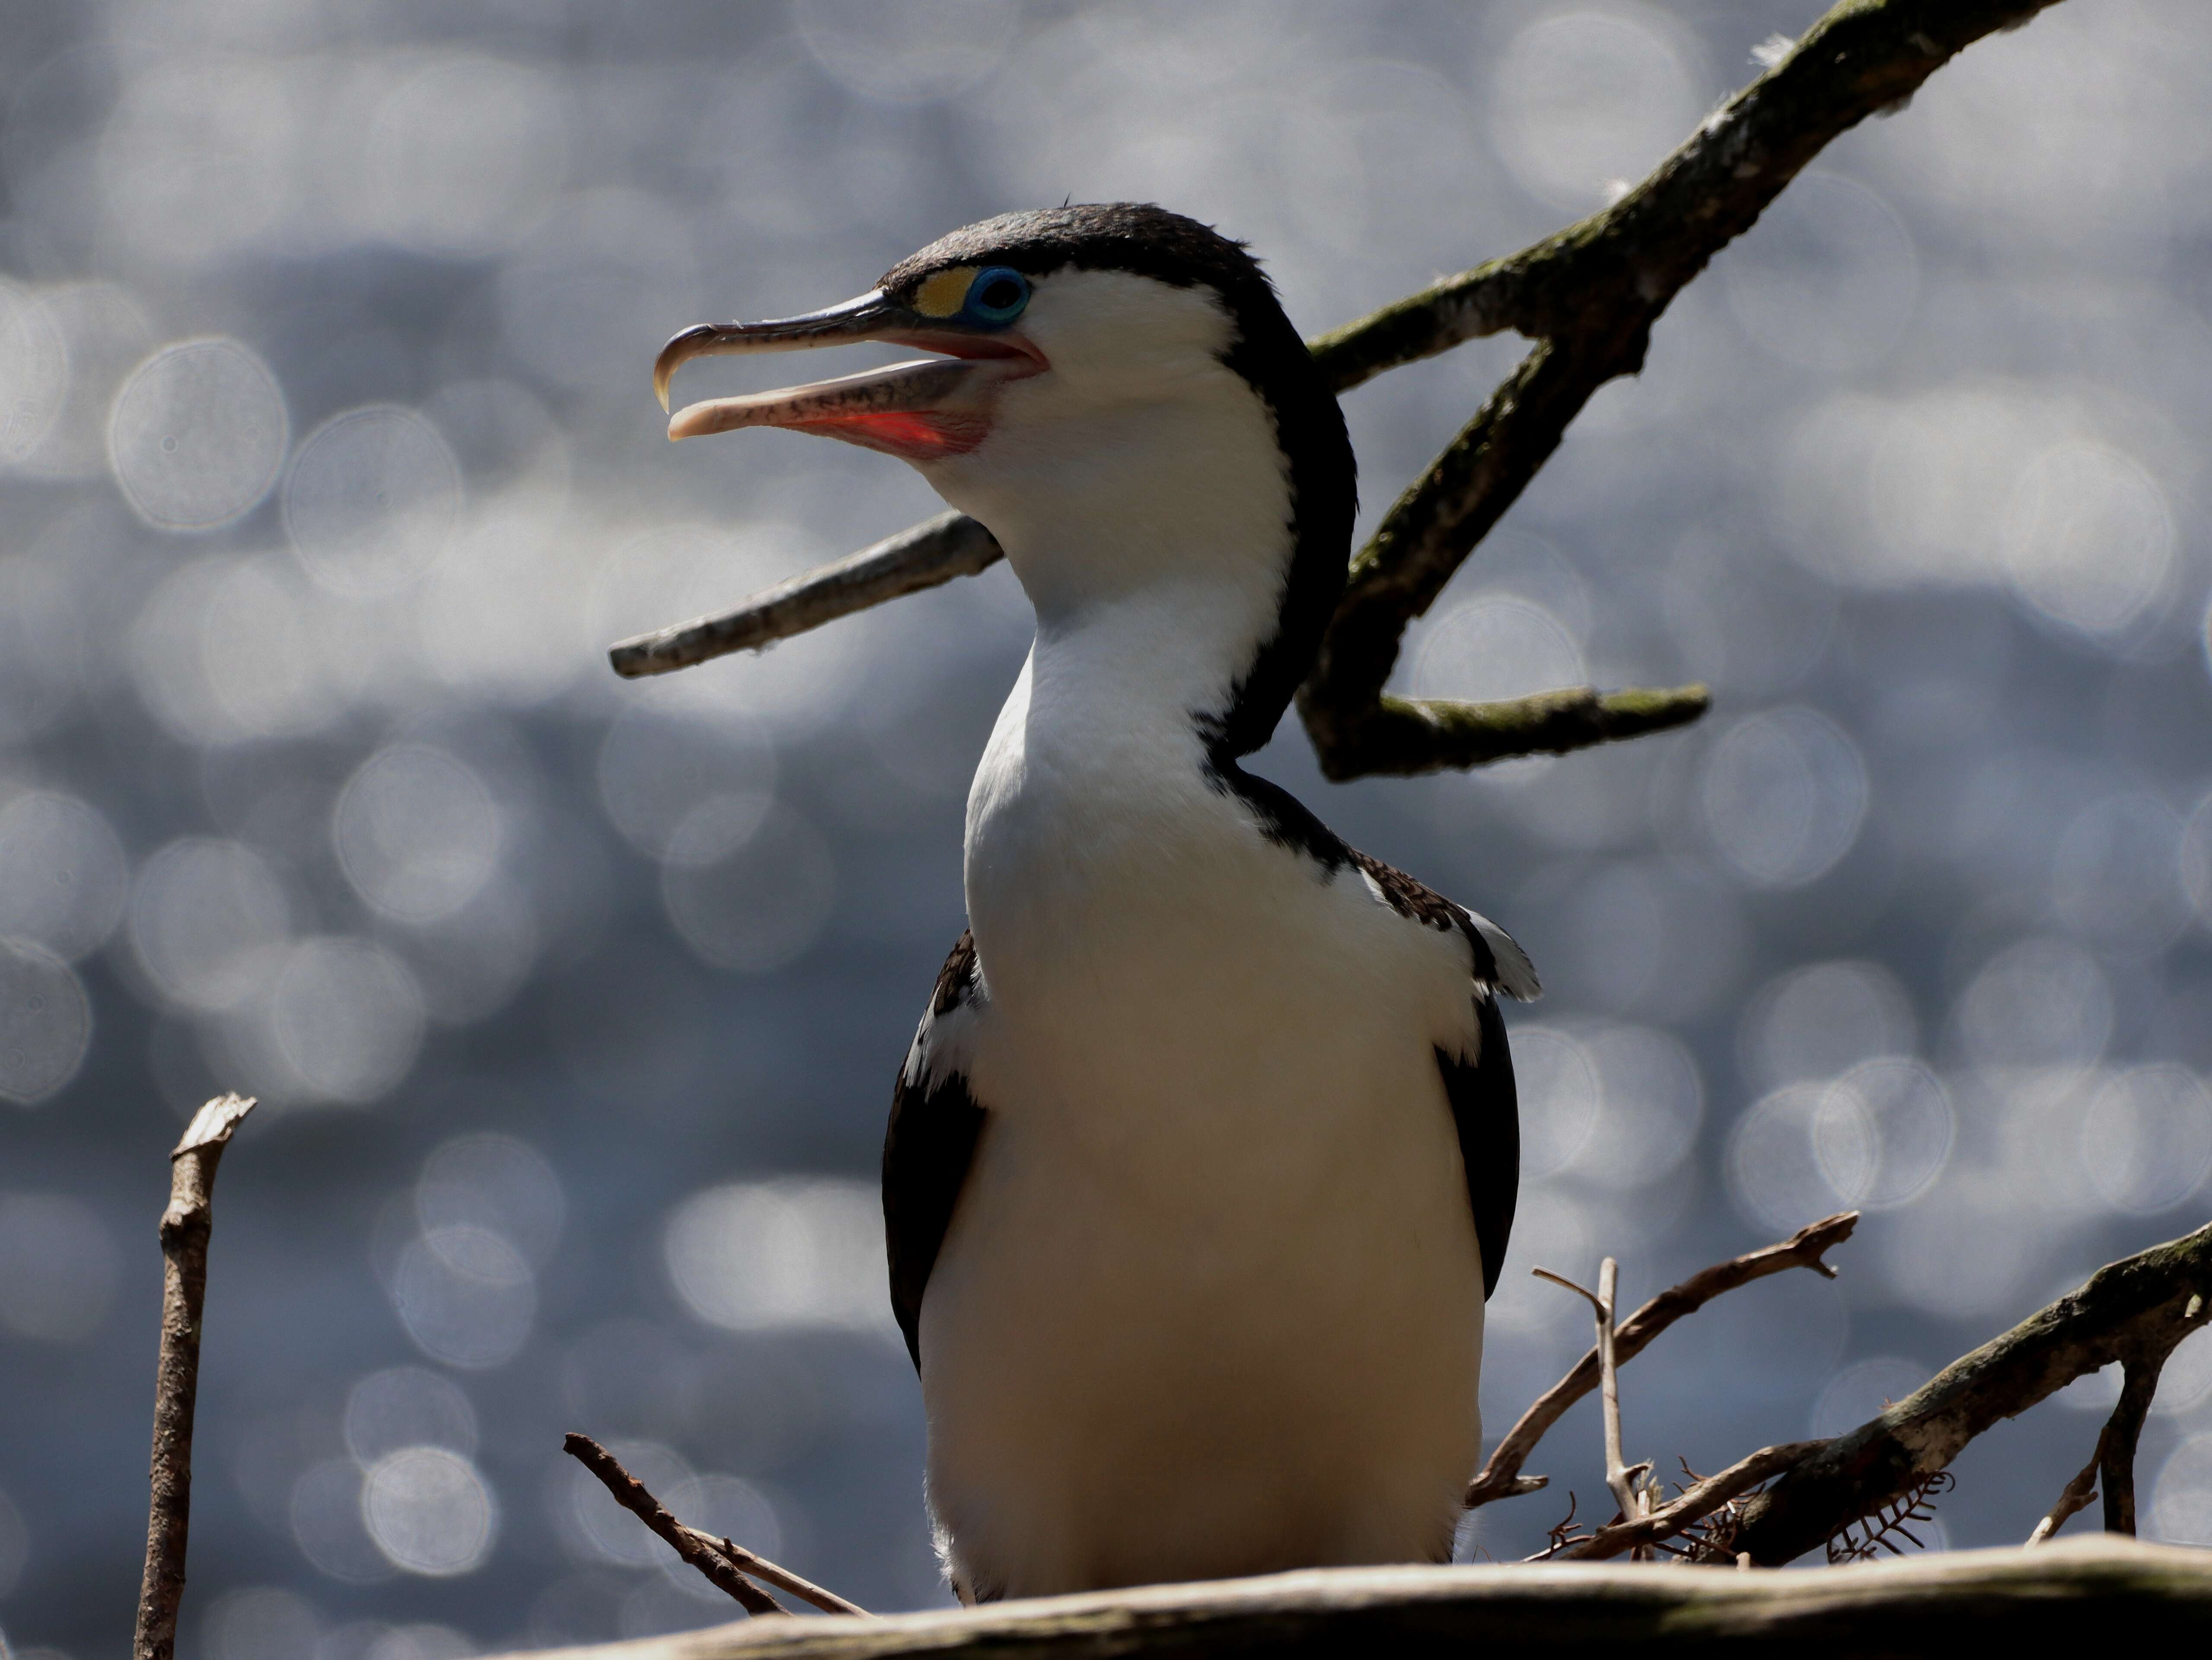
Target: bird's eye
<point>997,295</point>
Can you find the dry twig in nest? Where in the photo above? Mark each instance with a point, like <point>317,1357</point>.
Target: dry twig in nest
<point>1501,1476</point>
<point>723,1563</point>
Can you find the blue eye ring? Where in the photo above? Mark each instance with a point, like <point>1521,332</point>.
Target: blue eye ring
<point>997,296</point>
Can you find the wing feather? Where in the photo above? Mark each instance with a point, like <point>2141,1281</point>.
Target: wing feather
<point>927,1149</point>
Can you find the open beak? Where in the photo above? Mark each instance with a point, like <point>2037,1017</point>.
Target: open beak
<point>918,410</point>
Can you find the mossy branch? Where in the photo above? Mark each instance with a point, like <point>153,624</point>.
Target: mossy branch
<point>2133,1311</point>
<point>1588,297</point>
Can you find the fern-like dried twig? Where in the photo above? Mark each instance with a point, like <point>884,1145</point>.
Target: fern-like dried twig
<point>1860,1541</point>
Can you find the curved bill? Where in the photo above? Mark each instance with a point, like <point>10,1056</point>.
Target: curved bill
<point>918,410</point>
<point>868,317</point>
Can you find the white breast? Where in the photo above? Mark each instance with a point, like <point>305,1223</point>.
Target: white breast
<point>1211,1303</point>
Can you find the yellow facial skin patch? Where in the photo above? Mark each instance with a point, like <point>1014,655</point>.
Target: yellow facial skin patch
<point>943,294</point>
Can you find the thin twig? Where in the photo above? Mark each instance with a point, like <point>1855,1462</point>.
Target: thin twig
<point>1694,1504</point>
<point>1601,1302</point>
<point>701,1550</point>
<point>1501,1476</point>
<point>781,1577</point>
<point>926,555</point>
<point>2078,1495</point>
<point>2135,1311</point>
<point>186,1226</point>
<point>721,1559</point>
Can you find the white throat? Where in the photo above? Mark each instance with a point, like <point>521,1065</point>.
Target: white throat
<point>1141,497</point>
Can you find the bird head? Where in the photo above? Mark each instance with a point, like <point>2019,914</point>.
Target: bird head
<point>1116,393</point>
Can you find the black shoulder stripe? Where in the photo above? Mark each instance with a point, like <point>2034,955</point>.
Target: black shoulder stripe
<point>928,1147</point>
<point>1486,1108</point>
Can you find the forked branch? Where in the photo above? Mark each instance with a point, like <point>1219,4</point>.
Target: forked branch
<point>1501,1476</point>
<point>724,1562</point>
<point>1587,297</point>
<point>2133,1311</point>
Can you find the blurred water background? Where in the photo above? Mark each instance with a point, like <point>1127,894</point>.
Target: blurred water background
<point>329,466</point>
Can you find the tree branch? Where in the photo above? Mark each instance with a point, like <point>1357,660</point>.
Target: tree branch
<point>722,1560</point>
<point>1406,736</point>
<point>1501,1477</point>
<point>186,1226</point>
<point>2077,1593</point>
<point>2134,1311</point>
<point>924,555</point>
<point>1618,1478</point>
<point>702,1550</point>
<point>1695,1503</point>
<point>1589,297</point>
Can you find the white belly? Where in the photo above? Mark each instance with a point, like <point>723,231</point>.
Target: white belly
<point>1211,1303</point>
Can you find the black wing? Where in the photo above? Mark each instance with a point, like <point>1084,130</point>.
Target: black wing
<point>1487,1109</point>
<point>927,1149</point>
<point>1485,1104</point>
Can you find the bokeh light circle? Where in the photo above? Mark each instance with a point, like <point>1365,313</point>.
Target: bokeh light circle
<point>498,1183</point>
<point>660,761</point>
<point>198,434</point>
<point>1493,647</point>
<point>370,498</point>
<point>1557,1082</point>
<point>466,1296</point>
<point>45,1022</point>
<point>417,833</point>
<point>63,878</point>
<point>347,1017</point>
<point>1785,794</point>
<point>2089,538</point>
<point>767,1255</point>
<point>2146,1139</point>
<point>1821,1018</point>
<point>429,1511</point>
<point>2181,1503</point>
<point>915,52</point>
<point>1582,101</point>
<point>2040,1003</point>
<point>205,920</point>
<point>406,1407</point>
<point>747,889</point>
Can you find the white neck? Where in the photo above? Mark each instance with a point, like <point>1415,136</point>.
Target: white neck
<point>1144,503</point>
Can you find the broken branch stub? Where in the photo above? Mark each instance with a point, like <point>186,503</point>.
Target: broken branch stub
<point>186,1226</point>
